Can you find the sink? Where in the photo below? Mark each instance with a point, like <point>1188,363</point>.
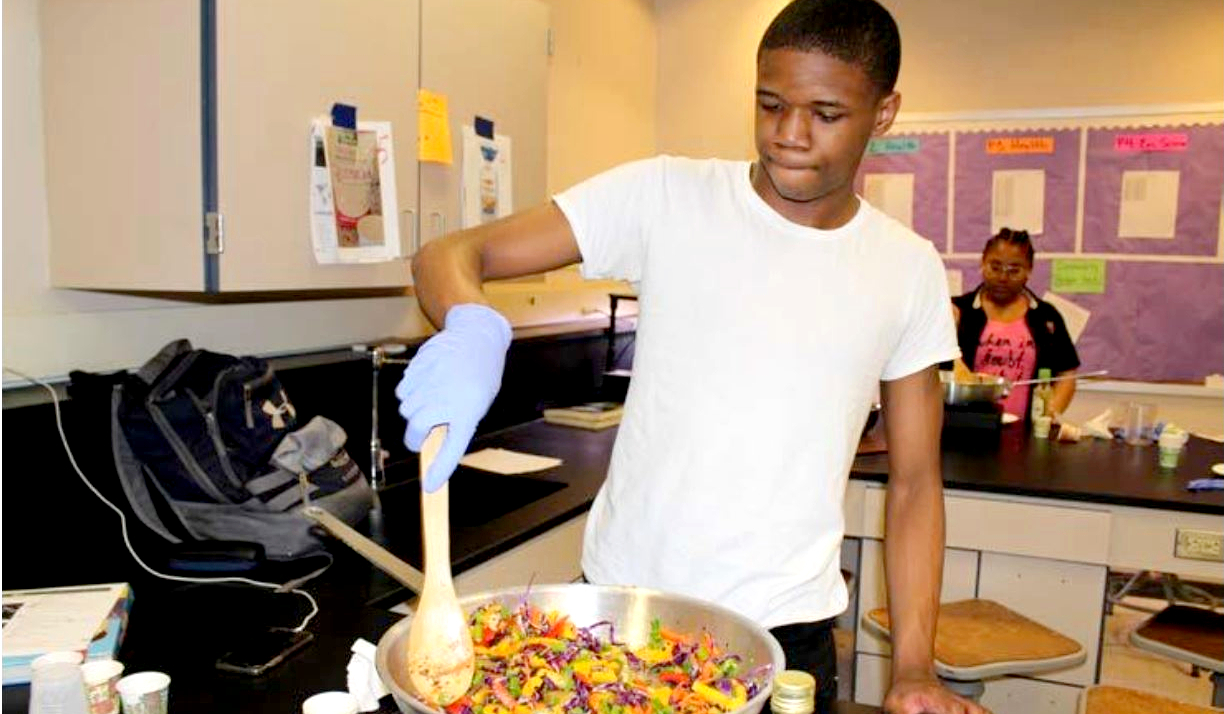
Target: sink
<point>476,497</point>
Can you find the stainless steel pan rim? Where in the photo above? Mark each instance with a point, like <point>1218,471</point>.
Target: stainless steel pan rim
<point>987,389</point>
<point>629,609</point>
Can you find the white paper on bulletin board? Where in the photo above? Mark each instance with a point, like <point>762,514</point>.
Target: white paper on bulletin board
<point>1148,205</point>
<point>1017,201</point>
<point>893,194</point>
<point>488,189</point>
<point>353,204</point>
<point>956,281</point>
<point>1074,316</point>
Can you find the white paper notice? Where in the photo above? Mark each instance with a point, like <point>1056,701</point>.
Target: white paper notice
<point>1074,315</point>
<point>55,620</point>
<point>956,282</point>
<point>892,194</point>
<point>503,461</point>
<point>1017,201</point>
<point>1149,204</point>
<point>353,197</point>
<point>488,190</point>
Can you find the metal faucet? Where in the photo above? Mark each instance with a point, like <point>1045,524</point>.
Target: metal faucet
<point>379,355</point>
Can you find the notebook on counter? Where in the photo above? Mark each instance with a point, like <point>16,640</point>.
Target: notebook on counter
<point>592,415</point>
<point>90,619</point>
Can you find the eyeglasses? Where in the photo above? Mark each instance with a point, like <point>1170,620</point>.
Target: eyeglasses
<point>1010,271</point>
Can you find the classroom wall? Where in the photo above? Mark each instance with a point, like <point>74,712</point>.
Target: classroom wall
<point>47,332</point>
<point>602,81</point>
<point>957,56</point>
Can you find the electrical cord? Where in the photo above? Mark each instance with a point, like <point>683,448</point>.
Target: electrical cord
<point>290,587</point>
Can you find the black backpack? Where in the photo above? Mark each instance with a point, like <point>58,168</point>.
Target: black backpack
<point>208,446</point>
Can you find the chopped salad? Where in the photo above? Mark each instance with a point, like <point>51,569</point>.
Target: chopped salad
<point>533,662</point>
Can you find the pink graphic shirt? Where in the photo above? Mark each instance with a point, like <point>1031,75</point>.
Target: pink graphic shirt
<point>1006,349</point>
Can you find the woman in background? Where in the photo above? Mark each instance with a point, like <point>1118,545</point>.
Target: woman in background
<point>1004,329</point>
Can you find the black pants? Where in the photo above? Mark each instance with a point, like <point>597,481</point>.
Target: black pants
<point>809,647</point>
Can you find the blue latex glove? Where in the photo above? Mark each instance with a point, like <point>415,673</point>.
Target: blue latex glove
<point>452,380</point>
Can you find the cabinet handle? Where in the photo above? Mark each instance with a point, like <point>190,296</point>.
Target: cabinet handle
<point>412,224</point>
<point>439,222</point>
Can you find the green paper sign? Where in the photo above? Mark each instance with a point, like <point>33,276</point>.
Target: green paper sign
<point>1078,275</point>
<point>893,146</point>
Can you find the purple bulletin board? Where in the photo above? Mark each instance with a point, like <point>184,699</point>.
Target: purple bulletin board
<point>1198,154</point>
<point>928,162</point>
<point>974,173</point>
<point>1140,329</point>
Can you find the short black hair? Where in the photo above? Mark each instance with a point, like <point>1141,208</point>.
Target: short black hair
<point>1020,239</point>
<point>858,32</point>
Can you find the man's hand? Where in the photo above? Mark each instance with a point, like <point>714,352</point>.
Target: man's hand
<point>927,696</point>
<point>452,380</point>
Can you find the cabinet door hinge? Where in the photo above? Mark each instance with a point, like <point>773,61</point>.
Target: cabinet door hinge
<point>550,45</point>
<point>214,233</point>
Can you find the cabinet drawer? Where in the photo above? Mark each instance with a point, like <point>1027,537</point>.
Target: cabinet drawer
<point>1144,539</point>
<point>995,524</point>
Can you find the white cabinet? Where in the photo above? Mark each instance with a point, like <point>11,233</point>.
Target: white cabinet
<point>279,63</point>
<point>121,112</point>
<point>1045,561</point>
<point>160,112</point>
<point>554,557</point>
<point>490,59</point>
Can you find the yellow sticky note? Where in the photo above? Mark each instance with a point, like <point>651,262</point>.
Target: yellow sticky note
<point>433,128</point>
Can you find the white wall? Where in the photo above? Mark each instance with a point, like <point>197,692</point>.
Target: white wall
<point>47,332</point>
<point>957,56</point>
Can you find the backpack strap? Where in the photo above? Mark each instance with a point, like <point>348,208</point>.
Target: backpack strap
<point>132,477</point>
<point>151,370</point>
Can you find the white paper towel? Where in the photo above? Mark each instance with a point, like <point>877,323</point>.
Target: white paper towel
<point>363,681</point>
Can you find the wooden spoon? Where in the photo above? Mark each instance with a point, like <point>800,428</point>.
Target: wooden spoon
<point>441,660</point>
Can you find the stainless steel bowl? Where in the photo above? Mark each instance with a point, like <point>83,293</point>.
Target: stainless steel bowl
<point>987,388</point>
<point>630,610</point>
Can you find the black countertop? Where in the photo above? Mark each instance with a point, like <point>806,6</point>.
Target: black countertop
<point>1091,470</point>
<point>182,628</point>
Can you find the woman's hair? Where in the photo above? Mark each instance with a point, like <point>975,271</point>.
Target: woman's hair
<point>1020,239</point>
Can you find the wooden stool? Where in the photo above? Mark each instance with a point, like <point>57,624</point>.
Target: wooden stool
<point>1190,634</point>
<point>1120,700</point>
<point>979,639</point>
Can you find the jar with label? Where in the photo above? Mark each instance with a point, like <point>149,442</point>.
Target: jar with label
<point>794,692</point>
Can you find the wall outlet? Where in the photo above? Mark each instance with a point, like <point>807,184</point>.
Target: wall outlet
<point>1199,545</point>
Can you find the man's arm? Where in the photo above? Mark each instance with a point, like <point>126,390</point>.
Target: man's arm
<point>914,519</point>
<point>455,375</point>
<point>914,543</point>
<point>449,271</point>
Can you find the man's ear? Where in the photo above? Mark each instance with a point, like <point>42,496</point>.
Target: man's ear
<point>886,112</point>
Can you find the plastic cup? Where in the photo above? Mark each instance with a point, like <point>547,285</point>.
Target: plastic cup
<point>1169,456</point>
<point>1138,426</point>
<point>144,693</point>
<point>331,703</point>
<point>101,676</point>
<point>1171,442</point>
<point>60,657</point>
<point>57,688</point>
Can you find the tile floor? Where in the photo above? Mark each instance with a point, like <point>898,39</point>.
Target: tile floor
<point>1127,666</point>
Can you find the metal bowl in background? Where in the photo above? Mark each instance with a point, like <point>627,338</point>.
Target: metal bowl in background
<point>985,389</point>
<point>629,609</point>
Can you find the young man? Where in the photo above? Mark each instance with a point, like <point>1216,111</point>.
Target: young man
<point>774,302</point>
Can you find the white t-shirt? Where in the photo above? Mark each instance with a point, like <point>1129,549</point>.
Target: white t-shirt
<point>760,347</point>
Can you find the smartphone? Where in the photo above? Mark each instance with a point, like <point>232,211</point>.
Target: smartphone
<point>263,650</point>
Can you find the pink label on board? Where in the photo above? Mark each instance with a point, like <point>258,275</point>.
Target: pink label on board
<point>1151,142</point>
